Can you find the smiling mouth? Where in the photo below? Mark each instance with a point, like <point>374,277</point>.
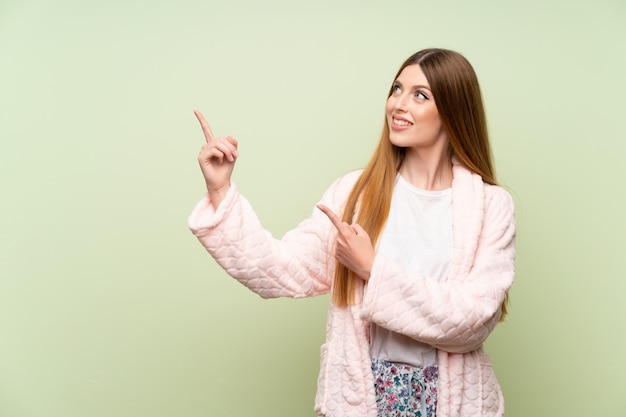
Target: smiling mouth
<point>400,122</point>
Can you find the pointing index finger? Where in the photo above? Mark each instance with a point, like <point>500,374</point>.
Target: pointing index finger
<point>206,129</point>
<point>334,219</point>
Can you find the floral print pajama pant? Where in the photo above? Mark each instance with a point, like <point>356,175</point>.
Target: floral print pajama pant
<point>405,391</point>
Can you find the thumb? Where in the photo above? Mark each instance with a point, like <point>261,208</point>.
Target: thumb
<point>358,229</point>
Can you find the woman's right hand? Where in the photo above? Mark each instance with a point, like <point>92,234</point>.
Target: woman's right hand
<point>217,160</point>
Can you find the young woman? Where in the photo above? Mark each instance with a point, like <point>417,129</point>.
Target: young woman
<point>417,250</point>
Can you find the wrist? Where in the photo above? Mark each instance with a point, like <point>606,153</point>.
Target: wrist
<point>217,194</point>
<point>367,272</point>
<point>365,275</point>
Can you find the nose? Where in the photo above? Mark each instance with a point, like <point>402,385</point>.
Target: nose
<point>400,102</point>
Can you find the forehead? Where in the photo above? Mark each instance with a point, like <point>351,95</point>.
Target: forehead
<point>412,75</point>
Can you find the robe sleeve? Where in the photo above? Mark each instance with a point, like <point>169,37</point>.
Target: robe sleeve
<point>456,315</point>
<point>296,266</point>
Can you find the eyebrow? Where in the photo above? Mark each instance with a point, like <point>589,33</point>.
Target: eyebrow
<point>415,87</point>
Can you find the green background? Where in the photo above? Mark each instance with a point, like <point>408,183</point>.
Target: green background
<point>110,307</point>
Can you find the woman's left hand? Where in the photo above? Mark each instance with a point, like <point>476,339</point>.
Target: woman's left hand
<point>354,246</point>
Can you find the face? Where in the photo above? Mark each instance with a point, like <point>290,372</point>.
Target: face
<point>412,114</point>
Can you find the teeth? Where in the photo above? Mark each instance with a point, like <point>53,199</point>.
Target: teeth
<point>401,122</point>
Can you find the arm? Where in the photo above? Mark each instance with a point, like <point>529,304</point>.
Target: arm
<point>295,266</point>
<point>456,315</point>
<point>227,226</point>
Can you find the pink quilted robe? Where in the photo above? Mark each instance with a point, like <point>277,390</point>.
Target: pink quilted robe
<point>455,316</point>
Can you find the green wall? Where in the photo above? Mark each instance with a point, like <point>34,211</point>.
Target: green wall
<point>109,306</point>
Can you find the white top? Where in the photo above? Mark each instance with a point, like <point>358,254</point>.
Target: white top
<point>418,237</point>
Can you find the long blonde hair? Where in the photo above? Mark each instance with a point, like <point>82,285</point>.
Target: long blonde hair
<point>457,95</point>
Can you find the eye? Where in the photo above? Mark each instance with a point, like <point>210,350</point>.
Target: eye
<point>395,89</point>
<point>421,95</point>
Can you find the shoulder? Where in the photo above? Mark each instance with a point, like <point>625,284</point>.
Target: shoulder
<point>350,178</point>
<point>499,208</point>
<point>344,184</point>
<point>471,186</point>
<point>497,196</point>
<point>337,193</point>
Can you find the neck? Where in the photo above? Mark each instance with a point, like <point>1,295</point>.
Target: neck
<point>431,172</point>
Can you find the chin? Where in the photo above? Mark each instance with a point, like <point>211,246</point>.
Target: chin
<point>398,141</point>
